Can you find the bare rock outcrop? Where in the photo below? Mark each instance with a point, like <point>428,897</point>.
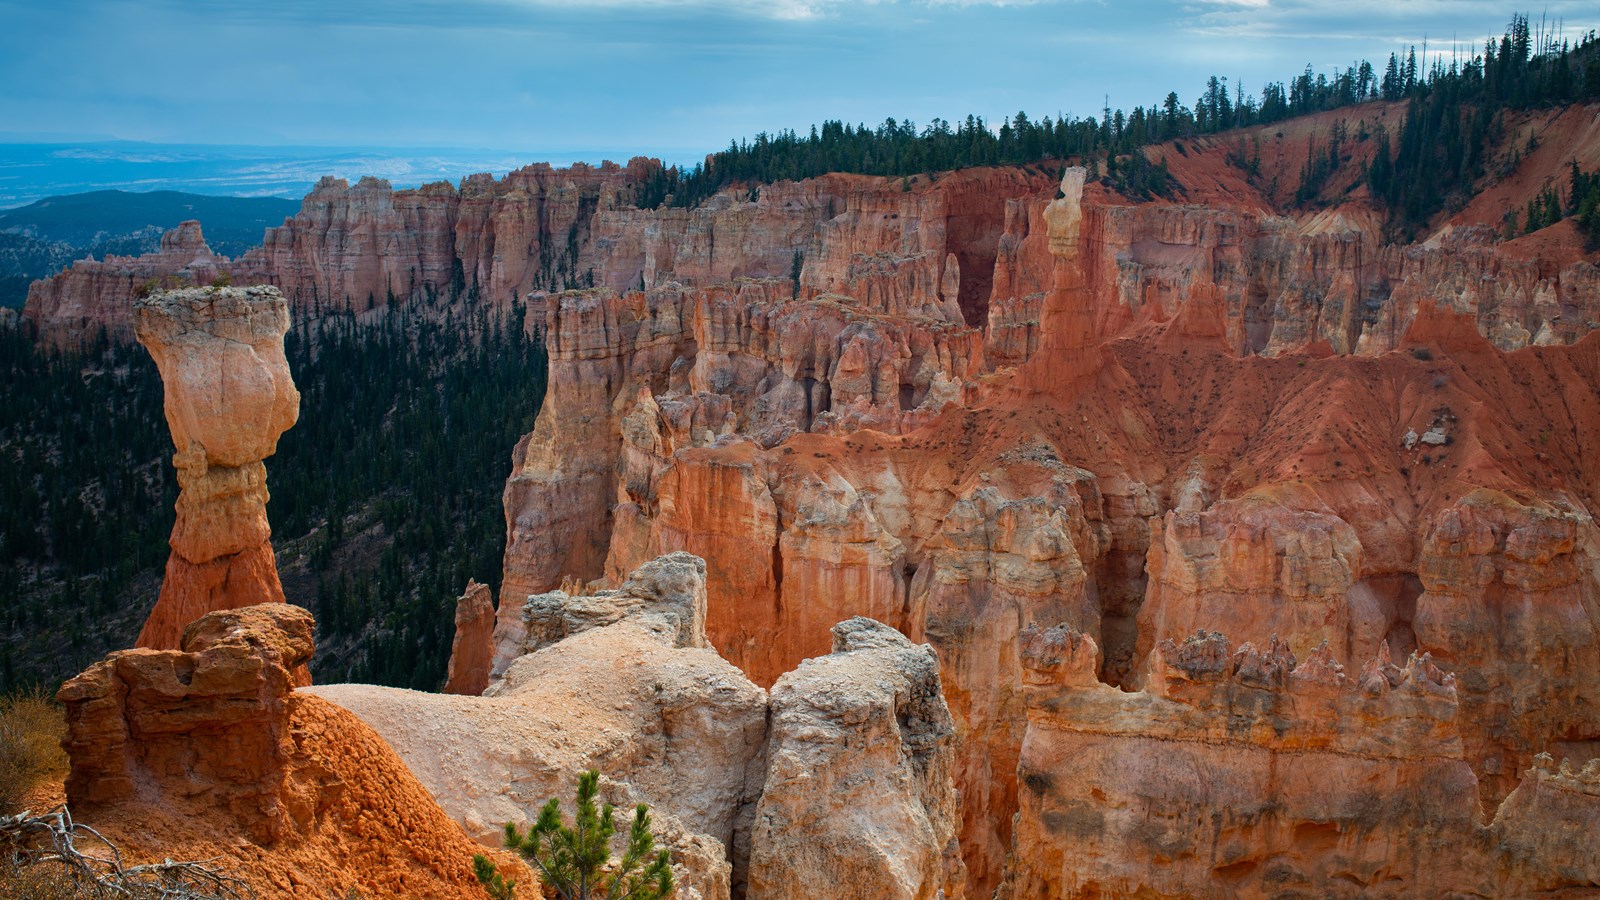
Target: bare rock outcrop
<point>472,650</point>
<point>1509,599</point>
<point>858,796</point>
<point>1236,772</point>
<point>622,681</point>
<point>637,377</point>
<point>1256,568</point>
<point>229,396</point>
<point>1211,413</point>
<point>208,752</point>
<point>131,721</point>
<point>1544,835</point>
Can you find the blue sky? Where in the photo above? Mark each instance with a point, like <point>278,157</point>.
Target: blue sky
<point>667,77</point>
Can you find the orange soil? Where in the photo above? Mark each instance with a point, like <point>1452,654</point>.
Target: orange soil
<point>377,831</point>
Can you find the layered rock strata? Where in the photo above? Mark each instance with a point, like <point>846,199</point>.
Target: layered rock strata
<point>965,405</point>
<point>130,721</point>
<point>932,243</point>
<point>229,396</point>
<point>95,297</point>
<point>1242,772</point>
<point>972,245</point>
<point>1145,472</point>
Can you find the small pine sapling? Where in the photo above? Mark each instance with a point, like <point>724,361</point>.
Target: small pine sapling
<point>493,882</point>
<point>576,862</point>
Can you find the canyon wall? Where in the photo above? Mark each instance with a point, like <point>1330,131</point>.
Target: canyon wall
<point>1041,431</point>
<point>95,297</point>
<point>969,246</point>
<point>1221,420</point>
<point>1244,772</point>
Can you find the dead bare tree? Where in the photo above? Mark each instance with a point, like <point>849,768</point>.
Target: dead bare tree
<point>53,843</point>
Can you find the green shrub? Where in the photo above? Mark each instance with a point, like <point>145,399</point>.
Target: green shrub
<point>576,862</point>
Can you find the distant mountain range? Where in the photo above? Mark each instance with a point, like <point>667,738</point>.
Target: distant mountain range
<point>33,171</point>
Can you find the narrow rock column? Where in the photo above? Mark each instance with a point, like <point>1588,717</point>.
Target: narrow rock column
<point>229,396</point>
<point>472,651</point>
<point>1069,346</point>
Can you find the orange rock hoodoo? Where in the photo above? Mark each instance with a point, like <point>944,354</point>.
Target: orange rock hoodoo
<point>229,395</point>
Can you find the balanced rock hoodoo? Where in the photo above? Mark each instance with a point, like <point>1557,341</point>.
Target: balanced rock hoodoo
<point>229,396</point>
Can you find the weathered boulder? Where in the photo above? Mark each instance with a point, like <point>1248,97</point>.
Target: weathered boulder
<point>208,752</point>
<point>621,681</point>
<point>858,798</point>
<point>132,720</point>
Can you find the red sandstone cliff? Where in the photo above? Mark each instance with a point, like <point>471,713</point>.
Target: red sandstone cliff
<point>98,296</point>
<point>968,245</point>
<point>1244,772</point>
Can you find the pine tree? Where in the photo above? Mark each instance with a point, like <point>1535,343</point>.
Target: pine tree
<point>576,862</point>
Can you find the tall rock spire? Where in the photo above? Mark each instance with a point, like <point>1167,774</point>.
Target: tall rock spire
<point>229,396</point>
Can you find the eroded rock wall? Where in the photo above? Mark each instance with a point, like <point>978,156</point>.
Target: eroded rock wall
<point>95,297</point>
<point>1161,460</point>
<point>1244,772</point>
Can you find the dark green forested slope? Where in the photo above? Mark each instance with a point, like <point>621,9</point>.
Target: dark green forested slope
<point>232,224</point>
<point>1452,116</point>
<point>385,496</point>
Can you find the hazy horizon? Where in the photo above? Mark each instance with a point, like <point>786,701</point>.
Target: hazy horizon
<point>31,171</point>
